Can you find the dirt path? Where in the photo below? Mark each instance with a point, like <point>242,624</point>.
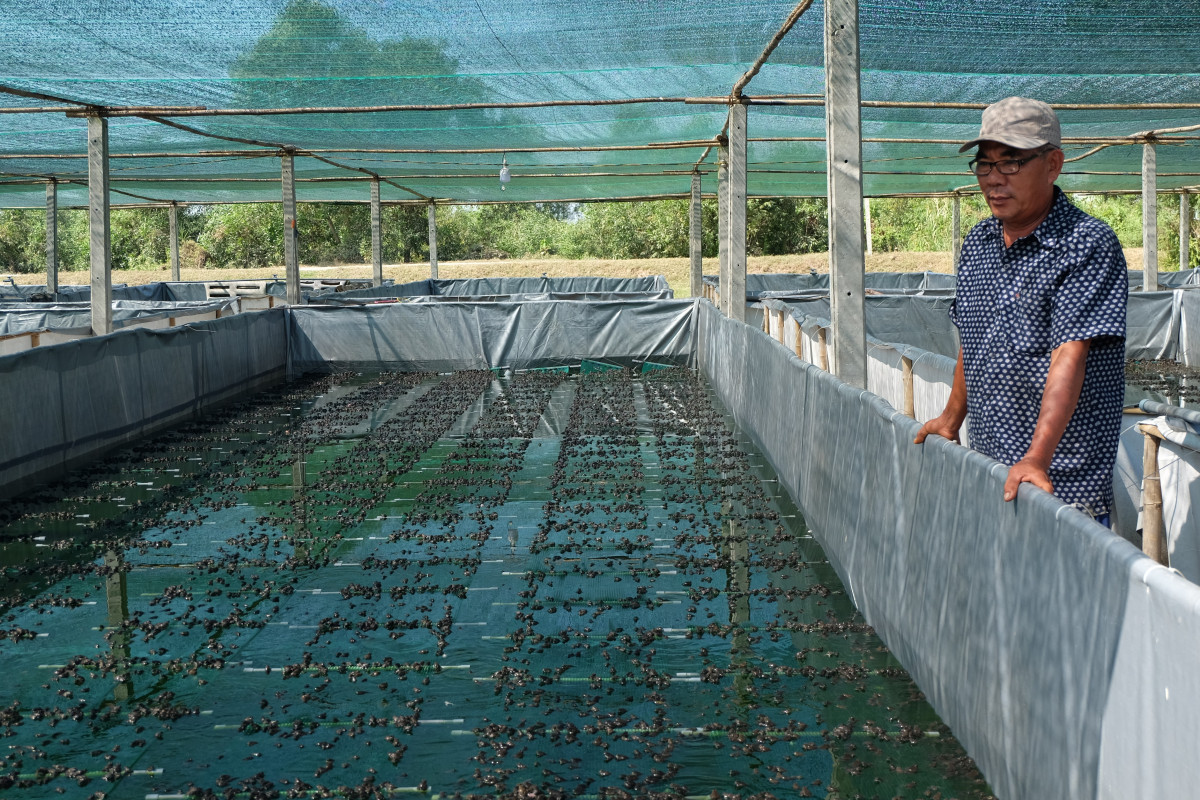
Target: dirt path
<point>674,269</point>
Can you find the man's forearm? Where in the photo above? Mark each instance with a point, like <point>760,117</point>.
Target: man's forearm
<point>1064,381</point>
<point>956,405</point>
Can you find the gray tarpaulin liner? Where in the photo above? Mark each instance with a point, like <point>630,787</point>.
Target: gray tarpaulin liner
<point>168,291</point>
<point>66,294</point>
<point>449,336</point>
<point>69,402</point>
<point>1157,323</point>
<point>922,322</point>
<point>1167,280</point>
<point>24,317</point>
<point>756,283</point>
<point>1179,479</point>
<point>477,287</point>
<point>1063,659</point>
<point>934,372</point>
<point>342,300</point>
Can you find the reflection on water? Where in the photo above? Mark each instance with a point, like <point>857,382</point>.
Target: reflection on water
<point>1162,381</point>
<point>304,596</point>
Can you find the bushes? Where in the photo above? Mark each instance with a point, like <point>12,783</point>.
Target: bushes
<point>251,235</point>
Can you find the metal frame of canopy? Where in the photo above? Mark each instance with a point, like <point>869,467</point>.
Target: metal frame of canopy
<point>844,169</point>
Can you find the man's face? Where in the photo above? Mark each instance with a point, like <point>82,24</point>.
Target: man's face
<point>1024,198</point>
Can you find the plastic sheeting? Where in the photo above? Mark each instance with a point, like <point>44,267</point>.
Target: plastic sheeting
<point>1062,658</point>
<point>654,285</point>
<point>451,336</point>
<point>1158,324</point>
<point>163,291</point>
<point>23,317</point>
<point>1179,479</point>
<point>759,283</point>
<point>590,297</point>
<point>72,401</point>
<point>1167,280</point>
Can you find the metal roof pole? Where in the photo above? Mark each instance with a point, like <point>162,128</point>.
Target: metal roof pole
<point>695,246</point>
<point>1185,229</point>
<point>723,276</point>
<point>99,238</point>
<point>52,236</point>
<point>173,220</point>
<point>1149,219</point>
<point>433,276</point>
<point>736,188</point>
<point>376,235</point>
<point>291,254</point>
<point>843,133</point>
<point>955,231</point>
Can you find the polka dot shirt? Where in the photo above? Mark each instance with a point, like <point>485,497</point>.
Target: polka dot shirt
<point>1064,282</point>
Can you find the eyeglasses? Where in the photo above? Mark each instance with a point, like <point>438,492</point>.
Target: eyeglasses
<point>1005,166</point>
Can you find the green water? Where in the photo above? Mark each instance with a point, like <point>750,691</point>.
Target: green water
<point>541,585</point>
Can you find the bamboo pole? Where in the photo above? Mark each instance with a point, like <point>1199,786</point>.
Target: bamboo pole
<point>906,371</point>
<point>788,23</point>
<point>1154,540</point>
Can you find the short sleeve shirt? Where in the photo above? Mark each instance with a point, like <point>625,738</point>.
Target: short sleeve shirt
<point>1064,282</point>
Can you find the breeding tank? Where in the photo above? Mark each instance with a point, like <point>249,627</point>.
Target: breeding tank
<point>550,583</point>
<point>435,562</point>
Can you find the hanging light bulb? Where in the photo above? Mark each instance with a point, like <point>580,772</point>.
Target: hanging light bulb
<point>505,175</point>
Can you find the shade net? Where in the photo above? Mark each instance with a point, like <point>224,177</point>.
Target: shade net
<point>310,54</point>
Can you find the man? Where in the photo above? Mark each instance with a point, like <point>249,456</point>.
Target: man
<point>1040,308</point>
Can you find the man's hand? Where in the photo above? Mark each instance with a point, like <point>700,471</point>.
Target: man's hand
<point>1026,471</point>
<point>941,426</point>
<point>951,419</point>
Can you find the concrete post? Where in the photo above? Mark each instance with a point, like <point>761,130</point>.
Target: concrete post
<point>723,276</point>
<point>737,212</point>
<point>376,235</point>
<point>291,254</point>
<point>1185,230</point>
<point>52,237</point>
<point>695,241</point>
<point>1149,219</point>
<point>956,238</point>
<point>867,224</point>
<point>433,272</point>
<point>100,241</point>
<point>173,218</point>
<point>843,136</point>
